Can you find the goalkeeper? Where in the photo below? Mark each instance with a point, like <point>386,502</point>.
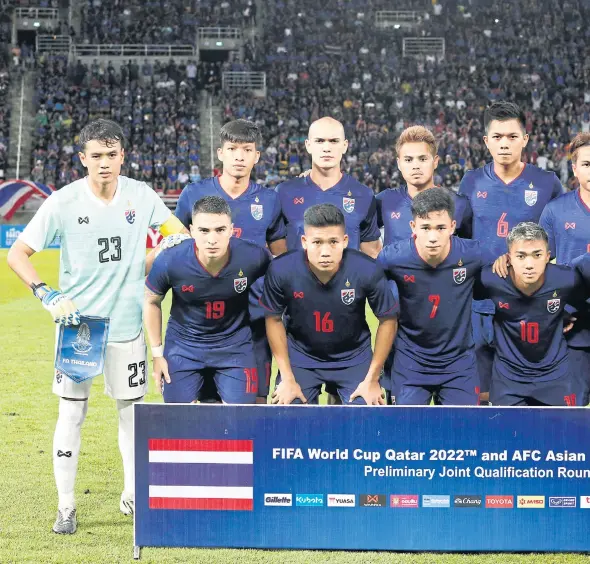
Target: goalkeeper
<point>102,221</point>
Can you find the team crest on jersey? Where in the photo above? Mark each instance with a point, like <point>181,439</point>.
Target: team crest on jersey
<point>459,275</point>
<point>348,204</point>
<point>241,283</point>
<point>82,343</point>
<point>553,305</point>
<point>130,216</point>
<point>347,294</point>
<point>530,196</point>
<point>257,211</point>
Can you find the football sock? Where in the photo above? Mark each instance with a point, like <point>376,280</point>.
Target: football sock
<point>126,444</point>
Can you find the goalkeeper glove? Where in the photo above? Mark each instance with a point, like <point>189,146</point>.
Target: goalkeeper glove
<point>61,308</point>
<point>173,240</point>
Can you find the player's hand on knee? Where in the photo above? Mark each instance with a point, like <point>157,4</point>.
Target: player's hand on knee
<point>370,391</point>
<point>62,309</point>
<point>160,373</point>
<point>501,265</point>
<point>171,241</point>
<point>286,392</point>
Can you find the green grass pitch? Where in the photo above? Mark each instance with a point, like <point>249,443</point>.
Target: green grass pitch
<point>28,500</point>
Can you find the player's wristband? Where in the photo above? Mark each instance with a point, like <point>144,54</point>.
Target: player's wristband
<point>36,287</point>
<point>158,352</point>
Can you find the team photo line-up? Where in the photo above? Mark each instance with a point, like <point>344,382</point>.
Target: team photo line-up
<point>479,296</point>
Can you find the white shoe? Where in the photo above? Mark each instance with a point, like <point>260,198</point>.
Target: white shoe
<point>127,504</point>
<point>66,522</point>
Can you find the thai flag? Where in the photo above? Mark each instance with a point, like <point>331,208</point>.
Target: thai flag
<point>14,193</point>
<point>201,474</point>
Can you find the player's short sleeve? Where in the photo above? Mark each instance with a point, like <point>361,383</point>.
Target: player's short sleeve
<point>160,212</point>
<point>45,225</point>
<point>276,230</point>
<point>466,186</point>
<point>273,296</point>
<point>369,229</point>
<point>379,205</point>
<point>158,280</point>
<point>380,295</point>
<point>547,223</point>
<point>480,289</point>
<point>265,260</point>
<point>557,187</point>
<point>184,207</point>
<point>384,259</point>
<point>464,216</point>
<point>581,265</point>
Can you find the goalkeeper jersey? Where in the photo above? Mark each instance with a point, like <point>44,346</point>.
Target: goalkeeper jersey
<point>103,248</point>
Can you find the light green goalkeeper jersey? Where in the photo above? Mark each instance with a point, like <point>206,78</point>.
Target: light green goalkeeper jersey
<point>103,248</point>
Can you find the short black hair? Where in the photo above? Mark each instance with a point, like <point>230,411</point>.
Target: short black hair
<point>240,131</point>
<point>433,200</point>
<point>323,215</point>
<point>503,111</point>
<point>211,204</point>
<point>104,130</point>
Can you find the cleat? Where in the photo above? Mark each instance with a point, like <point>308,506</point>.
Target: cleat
<point>66,522</point>
<point>127,505</point>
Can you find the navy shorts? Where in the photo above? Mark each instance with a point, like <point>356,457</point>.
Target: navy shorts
<point>482,330</point>
<point>343,380</point>
<point>506,392</point>
<point>457,384</point>
<point>234,384</point>
<point>263,356</point>
<point>579,360</point>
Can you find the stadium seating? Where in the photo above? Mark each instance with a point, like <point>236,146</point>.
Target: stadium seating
<point>158,114</point>
<point>5,68</point>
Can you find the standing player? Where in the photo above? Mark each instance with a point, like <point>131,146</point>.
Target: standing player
<point>502,194</point>
<point>324,289</point>
<point>256,215</point>
<point>326,184</point>
<point>531,365</point>
<point>567,223</point>
<point>435,273</point>
<point>208,334</point>
<point>417,160</point>
<point>102,221</point>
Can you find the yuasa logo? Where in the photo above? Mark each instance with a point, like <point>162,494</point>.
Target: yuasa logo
<point>403,501</point>
<point>278,499</point>
<point>467,501</point>
<point>562,502</point>
<point>309,500</point>
<point>531,501</point>
<point>500,501</point>
<point>341,500</point>
<point>436,501</point>
<point>585,501</point>
<point>369,500</point>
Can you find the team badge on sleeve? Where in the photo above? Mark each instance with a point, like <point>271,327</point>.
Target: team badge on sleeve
<point>348,203</point>
<point>241,283</point>
<point>348,294</point>
<point>553,305</point>
<point>459,274</point>
<point>530,196</point>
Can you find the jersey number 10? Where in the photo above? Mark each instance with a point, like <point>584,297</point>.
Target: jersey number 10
<point>529,332</point>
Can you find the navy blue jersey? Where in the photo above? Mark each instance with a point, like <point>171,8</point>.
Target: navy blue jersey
<point>353,198</point>
<point>498,207</point>
<point>567,222</point>
<point>435,302</point>
<point>208,310</point>
<point>256,214</point>
<point>394,214</point>
<point>326,323</point>
<point>529,339</point>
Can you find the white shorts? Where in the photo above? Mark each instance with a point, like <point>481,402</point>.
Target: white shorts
<point>125,373</point>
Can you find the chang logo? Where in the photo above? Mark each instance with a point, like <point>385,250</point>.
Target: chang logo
<point>82,343</point>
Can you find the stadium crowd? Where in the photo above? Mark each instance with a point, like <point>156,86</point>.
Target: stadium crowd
<point>358,76</point>
<point>5,68</point>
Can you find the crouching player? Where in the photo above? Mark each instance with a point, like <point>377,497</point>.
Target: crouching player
<point>435,273</point>
<point>322,291</point>
<point>531,365</point>
<point>208,334</point>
